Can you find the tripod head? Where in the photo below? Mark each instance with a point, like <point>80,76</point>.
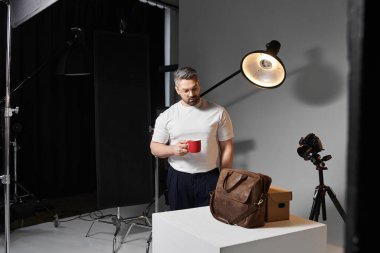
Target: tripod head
<point>319,162</point>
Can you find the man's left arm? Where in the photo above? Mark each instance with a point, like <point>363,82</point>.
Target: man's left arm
<point>226,153</point>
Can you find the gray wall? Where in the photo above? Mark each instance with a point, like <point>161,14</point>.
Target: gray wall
<point>214,35</point>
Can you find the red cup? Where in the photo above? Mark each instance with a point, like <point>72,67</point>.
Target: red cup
<point>194,146</point>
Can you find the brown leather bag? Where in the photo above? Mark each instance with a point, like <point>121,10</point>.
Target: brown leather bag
<point>240,198</point>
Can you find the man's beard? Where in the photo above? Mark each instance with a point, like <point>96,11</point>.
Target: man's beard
<point>193,101</point>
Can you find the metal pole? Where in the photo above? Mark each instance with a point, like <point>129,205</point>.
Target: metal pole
<point>221,82</point>
<point>7,115</point>
<point>156,184</point>
<point>15,148</point>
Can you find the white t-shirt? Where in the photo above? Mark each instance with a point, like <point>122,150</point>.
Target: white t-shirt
<point>205,121</point>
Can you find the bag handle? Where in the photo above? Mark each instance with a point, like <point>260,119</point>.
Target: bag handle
<point>237,183</point>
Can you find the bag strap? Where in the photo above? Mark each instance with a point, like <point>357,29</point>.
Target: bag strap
<point>254,208</point>
<point>212,195</point>
<point>237,183</point>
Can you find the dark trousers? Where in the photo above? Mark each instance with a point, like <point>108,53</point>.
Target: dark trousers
<point>187,190</point>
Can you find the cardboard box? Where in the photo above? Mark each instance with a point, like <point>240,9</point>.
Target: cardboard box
<point>278,204</point>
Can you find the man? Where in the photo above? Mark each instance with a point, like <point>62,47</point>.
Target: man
<point>192,176</point>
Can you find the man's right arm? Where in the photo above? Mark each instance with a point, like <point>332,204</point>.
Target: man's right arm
<point>163,150</point>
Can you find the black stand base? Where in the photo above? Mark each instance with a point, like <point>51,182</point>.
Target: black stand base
<point>23,206</point>
<point>116,220</point>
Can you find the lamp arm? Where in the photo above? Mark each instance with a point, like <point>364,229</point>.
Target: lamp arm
<point>41,67</point>
<point>221,82</point>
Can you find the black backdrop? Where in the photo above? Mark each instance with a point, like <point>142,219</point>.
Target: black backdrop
<point>122,119</point>
<point>57,141</point>
<point>364,126</point>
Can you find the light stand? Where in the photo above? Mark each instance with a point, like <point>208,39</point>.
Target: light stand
<point>5,179</point>
<point>80,69</point>
<point>24,10</point>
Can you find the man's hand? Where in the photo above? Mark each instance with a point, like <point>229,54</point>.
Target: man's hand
<point>180,148</point>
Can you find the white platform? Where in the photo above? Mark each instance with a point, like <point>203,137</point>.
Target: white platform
<point>195,230</point>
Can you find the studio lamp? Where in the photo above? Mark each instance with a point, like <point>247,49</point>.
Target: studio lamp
<point>76,59</point>
<point>262,68</point>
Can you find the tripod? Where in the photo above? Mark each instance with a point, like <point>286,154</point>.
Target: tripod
<point>319,197</point>
<point>18,200</point>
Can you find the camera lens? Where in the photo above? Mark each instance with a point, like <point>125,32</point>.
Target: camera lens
<point>304,152</point>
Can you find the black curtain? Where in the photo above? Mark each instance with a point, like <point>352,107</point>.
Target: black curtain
<point>122,119</point>
<point>363,127</point>
<point>57,144</point>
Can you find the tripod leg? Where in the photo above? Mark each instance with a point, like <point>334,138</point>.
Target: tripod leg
<point>324,217</point>
<point>336,203</point>
<point>318,206</point>
<point>28,193</point>
<point>315,205</point>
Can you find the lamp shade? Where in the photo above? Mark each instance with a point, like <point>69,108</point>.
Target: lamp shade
<point>76,59</point>
<point>263,68</point>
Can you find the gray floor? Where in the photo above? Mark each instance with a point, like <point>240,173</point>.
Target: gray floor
<point>71,236</point>
<point>86,233</point>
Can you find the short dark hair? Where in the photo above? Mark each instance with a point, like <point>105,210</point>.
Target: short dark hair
<point>187,73</point>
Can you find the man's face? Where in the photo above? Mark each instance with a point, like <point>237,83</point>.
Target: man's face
<point>189,91</point>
